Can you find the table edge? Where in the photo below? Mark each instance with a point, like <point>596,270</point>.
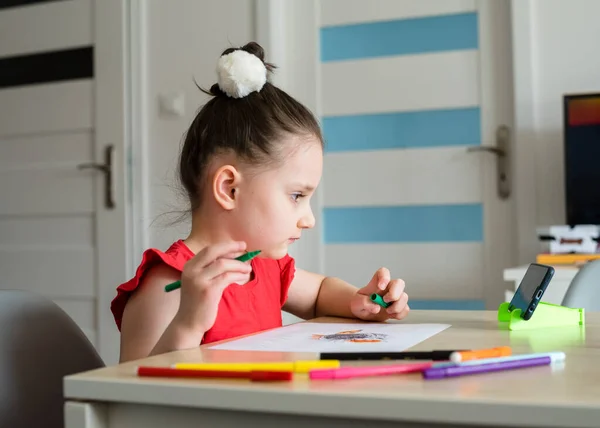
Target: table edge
<point>315,403</point>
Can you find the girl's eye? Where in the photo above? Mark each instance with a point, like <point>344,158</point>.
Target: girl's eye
<point>296,196</point>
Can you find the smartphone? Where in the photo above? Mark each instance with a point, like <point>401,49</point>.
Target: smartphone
<point>531,289</point>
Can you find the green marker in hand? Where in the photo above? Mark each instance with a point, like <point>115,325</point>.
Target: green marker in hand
<point>376,298</point>
<point>243,258</point>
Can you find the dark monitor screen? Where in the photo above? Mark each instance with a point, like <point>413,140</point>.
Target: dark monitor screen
<point>582,158</point>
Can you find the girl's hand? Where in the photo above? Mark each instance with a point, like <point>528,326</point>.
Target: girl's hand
<point>392,292</point>
<point>203,280</point>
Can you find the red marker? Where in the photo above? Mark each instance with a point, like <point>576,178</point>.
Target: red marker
<point>256,375</point>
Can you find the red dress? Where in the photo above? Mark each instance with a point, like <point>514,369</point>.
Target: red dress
<point>244,309</point>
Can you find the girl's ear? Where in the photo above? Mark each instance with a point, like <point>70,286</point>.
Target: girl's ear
<point>225,181</point>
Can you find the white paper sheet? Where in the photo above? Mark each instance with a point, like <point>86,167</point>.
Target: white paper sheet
<point>337,337</point>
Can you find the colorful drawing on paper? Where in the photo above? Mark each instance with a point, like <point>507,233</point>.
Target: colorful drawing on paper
<point>336,337</point>
<point>352,336</point>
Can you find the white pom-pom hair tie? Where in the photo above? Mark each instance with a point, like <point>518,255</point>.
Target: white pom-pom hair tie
<point>240,73</point>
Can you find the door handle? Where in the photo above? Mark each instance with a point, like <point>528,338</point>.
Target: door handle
<point>502,159</point>
<point>107,169</point>
<point>494,150</point>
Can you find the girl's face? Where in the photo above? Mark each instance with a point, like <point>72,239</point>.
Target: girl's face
<point>273,207</point>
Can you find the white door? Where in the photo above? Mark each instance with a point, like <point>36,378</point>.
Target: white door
<point>62,104</point>
<point>406,89</point>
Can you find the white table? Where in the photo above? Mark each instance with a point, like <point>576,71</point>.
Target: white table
<point>563,275</point>
<point>113,397</point>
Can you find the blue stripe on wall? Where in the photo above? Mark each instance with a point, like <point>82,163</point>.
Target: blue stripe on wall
<point>456,305</point>
<point>432,128</point>
<point>427,223</point>
<point>399,37</point>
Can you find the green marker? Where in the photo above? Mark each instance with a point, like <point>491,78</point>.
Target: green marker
<point>248,256</point>
<point>243,258</point>
<point>173,286</point>
<point>376,298</point>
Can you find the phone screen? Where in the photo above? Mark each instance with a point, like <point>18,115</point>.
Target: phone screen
<point>536,276</point>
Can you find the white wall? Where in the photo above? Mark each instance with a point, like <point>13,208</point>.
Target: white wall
<point>562,40</point>
<point>184,41</point>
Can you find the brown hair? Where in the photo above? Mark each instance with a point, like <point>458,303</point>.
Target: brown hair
<point>250,127</point>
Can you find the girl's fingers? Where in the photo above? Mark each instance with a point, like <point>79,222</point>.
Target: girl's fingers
<point>227,278</point>
<point>395,290</point>
<point>222,266</point>
<point>398,305</point>
<point>402,314</point>
<point>214,252</point>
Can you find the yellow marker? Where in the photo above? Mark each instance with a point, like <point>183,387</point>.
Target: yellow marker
<point>285,366</point>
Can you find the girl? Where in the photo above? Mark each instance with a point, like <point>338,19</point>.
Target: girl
<point>251,160</point>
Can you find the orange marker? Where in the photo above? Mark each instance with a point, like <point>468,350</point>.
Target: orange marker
<point>459,356</point>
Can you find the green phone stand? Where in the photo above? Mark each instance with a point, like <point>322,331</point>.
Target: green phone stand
<point>545,315</point>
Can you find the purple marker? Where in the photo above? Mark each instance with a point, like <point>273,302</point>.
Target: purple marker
<point>442,372</point>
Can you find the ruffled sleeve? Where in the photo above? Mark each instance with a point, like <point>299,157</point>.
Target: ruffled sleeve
<point>287,269</point>
<point>151,257</point>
